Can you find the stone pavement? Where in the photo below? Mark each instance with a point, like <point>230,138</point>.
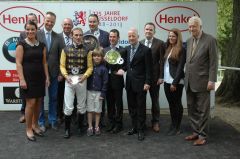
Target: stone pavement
<point>224,143</point>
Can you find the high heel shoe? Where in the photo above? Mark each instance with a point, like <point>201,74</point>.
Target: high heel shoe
<point>31,138</point>
<point>38,133</point>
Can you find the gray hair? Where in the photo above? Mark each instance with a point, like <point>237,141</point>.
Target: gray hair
<point>195,19</point>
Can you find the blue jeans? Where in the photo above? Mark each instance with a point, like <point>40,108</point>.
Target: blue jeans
<point>52,106</point>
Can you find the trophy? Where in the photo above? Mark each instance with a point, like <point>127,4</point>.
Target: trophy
<point>113,57</point>
<point>90,41</point>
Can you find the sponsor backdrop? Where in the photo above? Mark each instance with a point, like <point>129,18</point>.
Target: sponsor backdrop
<point>119,15</point>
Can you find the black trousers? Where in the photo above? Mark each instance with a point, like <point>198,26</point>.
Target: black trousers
<point>115,106</point>
<point>137,108</point>
<point>154,94</point>
<point>175,104</point>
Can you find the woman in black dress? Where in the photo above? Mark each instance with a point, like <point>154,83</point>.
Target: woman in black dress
<point>33,75</point>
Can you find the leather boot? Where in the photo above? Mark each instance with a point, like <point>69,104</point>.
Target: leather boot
<point>80,120</point>
<point>67,127</point>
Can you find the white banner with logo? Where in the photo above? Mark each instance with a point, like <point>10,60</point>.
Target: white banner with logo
<point>118,15</point>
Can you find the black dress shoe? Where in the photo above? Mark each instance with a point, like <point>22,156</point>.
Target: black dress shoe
<point>67,134</point>
<point>31,138</point>
<point>116,129</point>
<point>110,128</point>
<point>141,136</point>
<point>40,133</point>
<point>81,131</point>
<point>132,131</point>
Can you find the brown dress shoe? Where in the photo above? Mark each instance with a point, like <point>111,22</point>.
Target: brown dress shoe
<point>199,142</point>
<point>191,137</point>
<point>156,127</point>
<point>22,119</point>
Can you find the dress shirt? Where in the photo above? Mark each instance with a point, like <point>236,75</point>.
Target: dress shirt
<point>167,76</point>
<point>96,33</point>
<point>148,43</point>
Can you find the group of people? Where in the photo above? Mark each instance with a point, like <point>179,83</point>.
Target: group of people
<point>81,78</point>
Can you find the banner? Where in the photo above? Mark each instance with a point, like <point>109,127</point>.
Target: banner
<point>112,15</point>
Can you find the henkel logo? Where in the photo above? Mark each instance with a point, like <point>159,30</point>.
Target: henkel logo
<point>174,17</point>
<point>14,18</point>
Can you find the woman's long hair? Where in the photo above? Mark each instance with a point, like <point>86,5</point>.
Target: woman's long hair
<point>177,48</point>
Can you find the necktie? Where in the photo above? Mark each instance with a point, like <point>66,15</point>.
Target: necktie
<point>132,53</point>
<point>48,40</point>
<point>194,46</point>
<point>67,41</point>
<point>148,43</point>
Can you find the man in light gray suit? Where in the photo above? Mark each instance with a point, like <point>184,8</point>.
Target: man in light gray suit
<point>52,41</point>
<point>200,78</point>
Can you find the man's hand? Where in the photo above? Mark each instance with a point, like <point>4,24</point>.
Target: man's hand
<point>211,86</point>
<point>146,87</point>
<point>60,78</point>
<point>160,81</point>
<point>82,78</point>
<point>69,80</point>
<point>120,72</point>
<point>173,88</point>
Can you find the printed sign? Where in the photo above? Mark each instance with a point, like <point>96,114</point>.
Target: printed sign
<point>11,95</point>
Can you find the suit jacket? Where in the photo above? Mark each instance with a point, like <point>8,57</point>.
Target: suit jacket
<point>158,50</point>
<point>176,68</point>
<point>103,38</point>
<point>62,41</point>
<point>116,81</point>
<point>139,70</point>
<point>202,66</point>
<point>53,55</point>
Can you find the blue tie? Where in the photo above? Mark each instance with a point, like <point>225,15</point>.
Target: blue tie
<point>48,38</point>
<point>132,53</point>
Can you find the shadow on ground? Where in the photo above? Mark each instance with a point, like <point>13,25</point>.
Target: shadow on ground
<point>224,143</point>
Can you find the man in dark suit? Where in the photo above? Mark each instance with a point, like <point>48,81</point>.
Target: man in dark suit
<point>101,35</point>
<point>52,42</point>
<point>158,50</point>
<point>200,77</point>
<point>138,80</point>
<point>103,38</point>
<point>66,40</point>
<point>30,17</point>
<point>115,85</point>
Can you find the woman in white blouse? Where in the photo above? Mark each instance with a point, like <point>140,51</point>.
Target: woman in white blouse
<point>173,74</point>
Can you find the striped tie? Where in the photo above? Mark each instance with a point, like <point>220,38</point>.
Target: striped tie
<point>67,41</point>
<point>132,53</point>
